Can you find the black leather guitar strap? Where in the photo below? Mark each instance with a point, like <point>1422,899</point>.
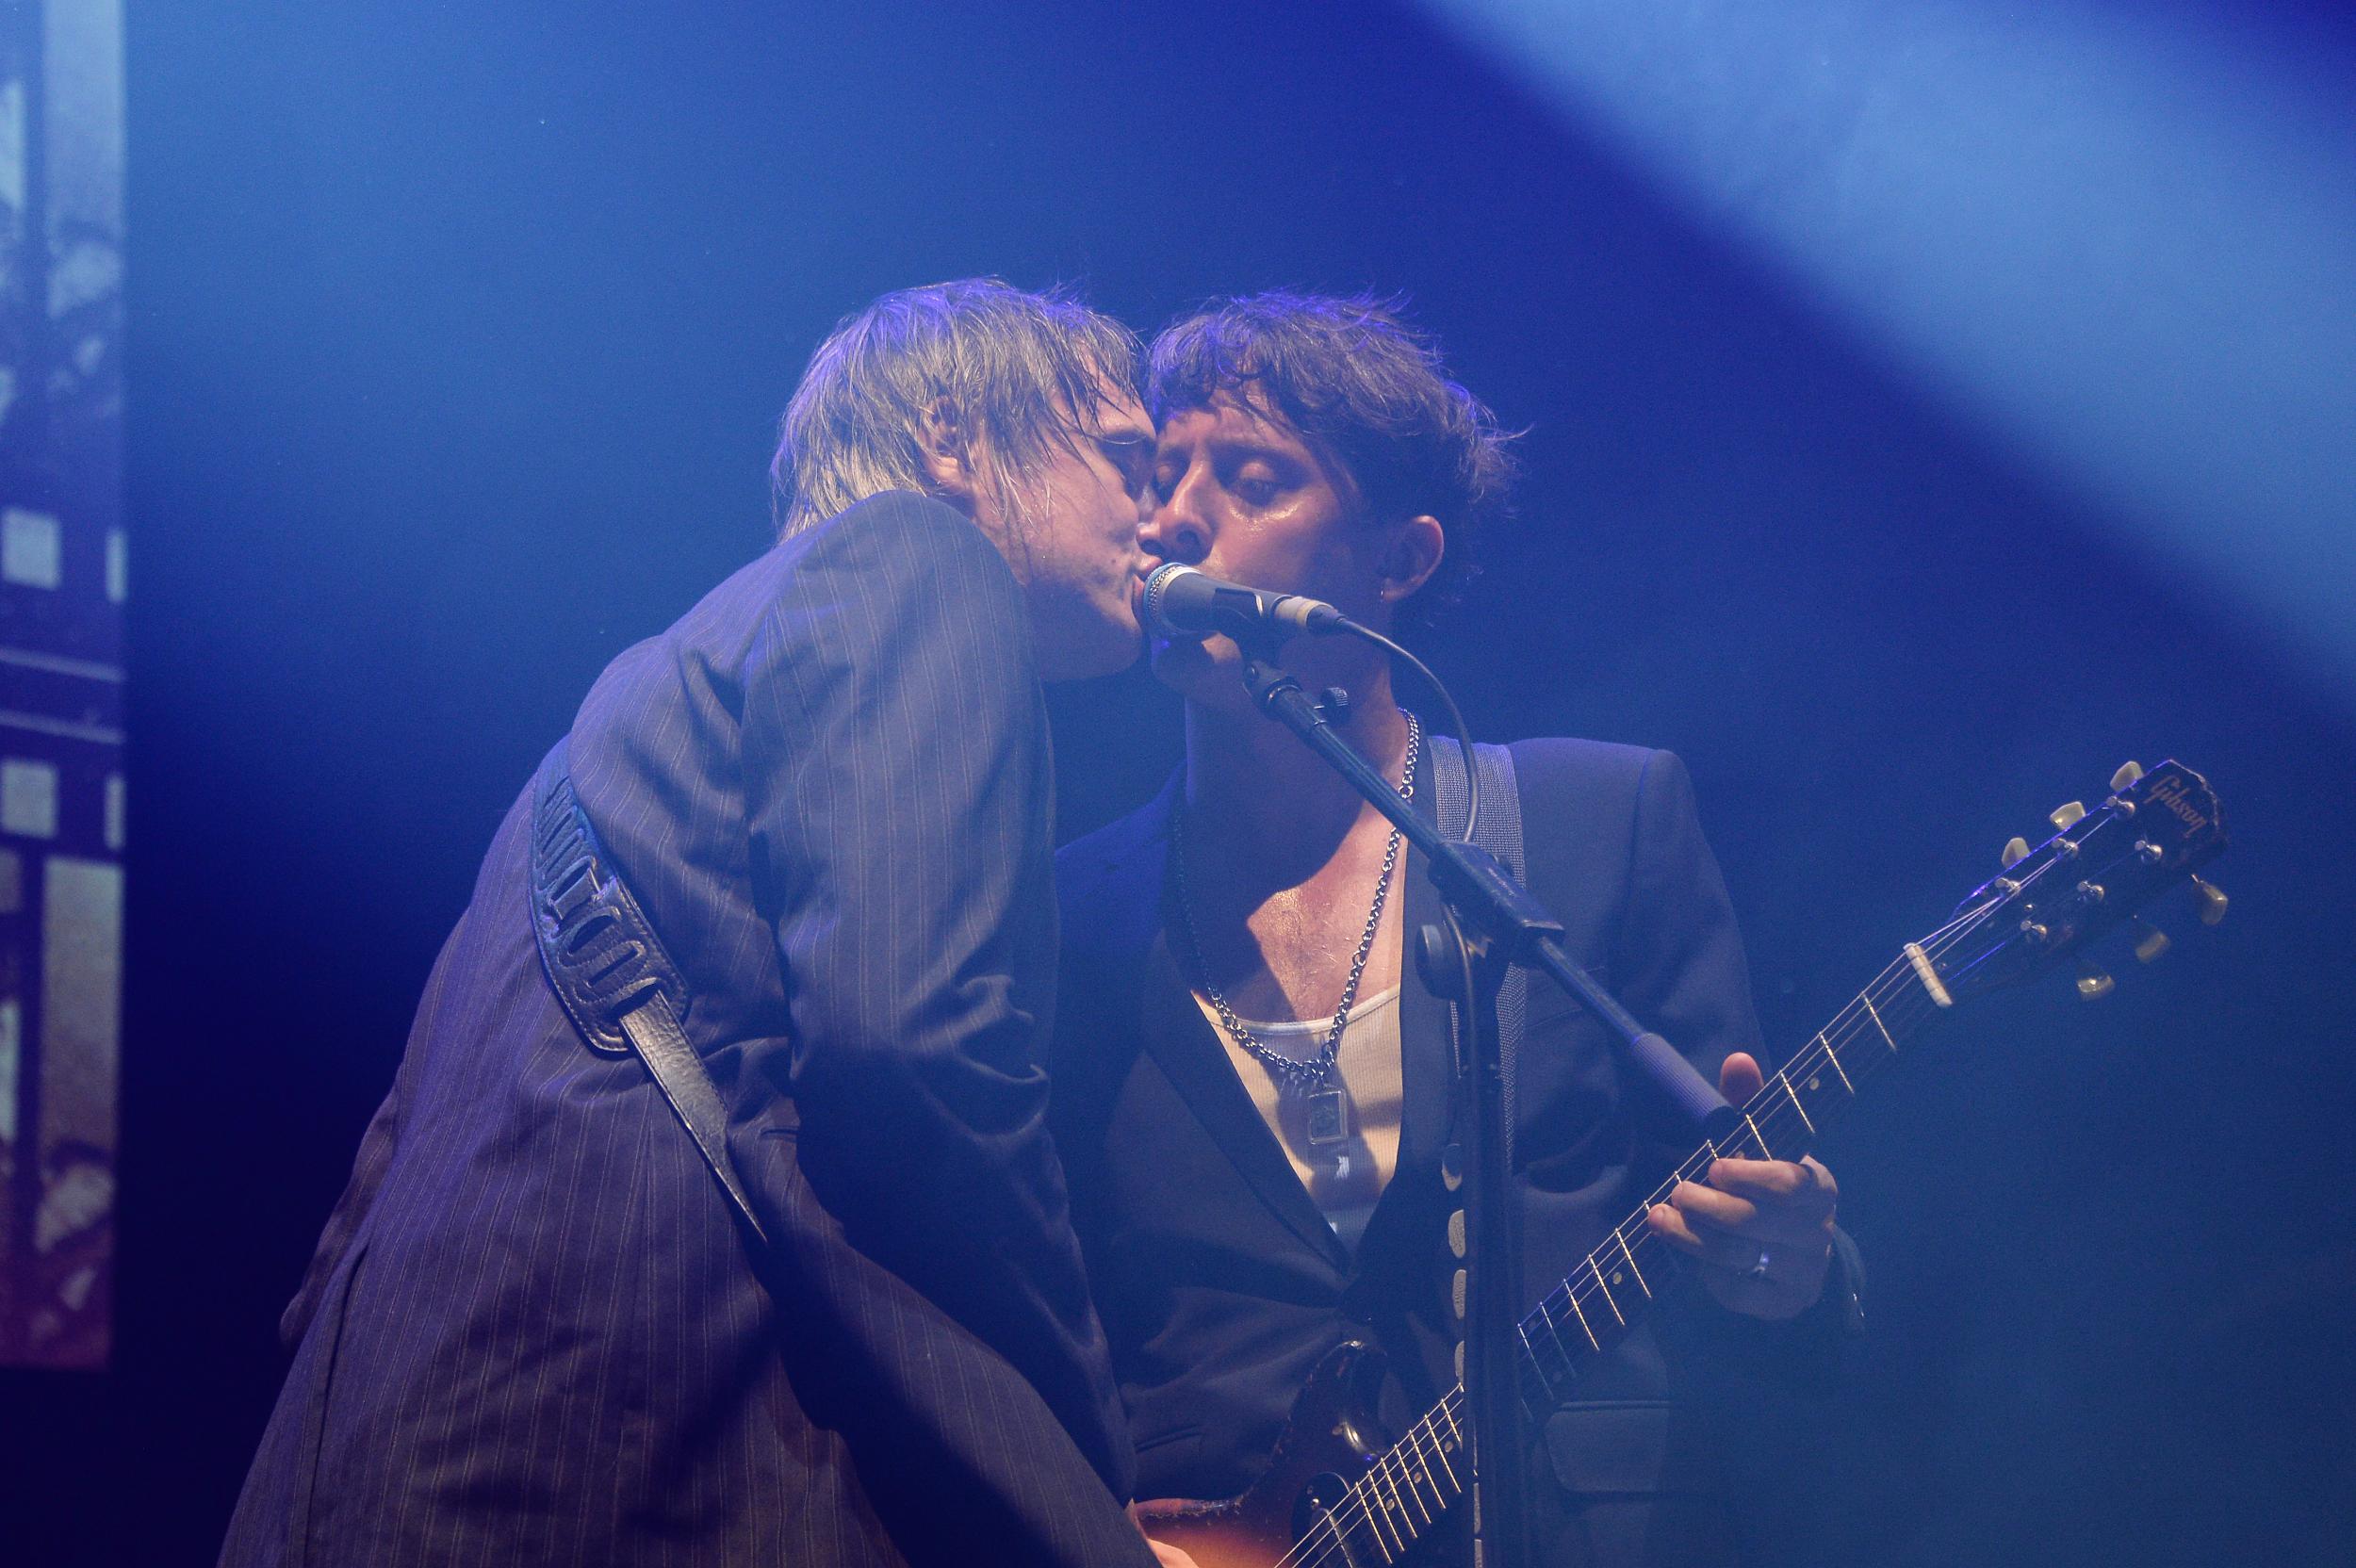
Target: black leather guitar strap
<point>609,968</point>
<point>1499,832</point>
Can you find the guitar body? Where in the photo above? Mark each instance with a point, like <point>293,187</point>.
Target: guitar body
<point>1327,1442</point>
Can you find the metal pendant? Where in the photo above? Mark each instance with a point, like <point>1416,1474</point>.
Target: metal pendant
<point>1328,1118</point>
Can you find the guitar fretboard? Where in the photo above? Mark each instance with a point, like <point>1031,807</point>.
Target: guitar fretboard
<point>2155,830</point>
<point>1406,1491</point>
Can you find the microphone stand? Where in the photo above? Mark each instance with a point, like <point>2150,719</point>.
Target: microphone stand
<point>1497,922</point>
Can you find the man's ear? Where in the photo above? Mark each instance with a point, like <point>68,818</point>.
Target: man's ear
<point>945,445</point>
<point>1410,557</point>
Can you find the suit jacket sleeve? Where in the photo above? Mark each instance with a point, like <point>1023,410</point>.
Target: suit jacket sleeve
<point>1679,958</point>
<point>899,789</point>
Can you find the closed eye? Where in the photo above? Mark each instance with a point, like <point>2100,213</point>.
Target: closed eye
<point>1132,457</point>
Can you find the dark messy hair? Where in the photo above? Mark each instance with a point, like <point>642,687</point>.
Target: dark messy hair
<point>1020,368</point>
<point>1360,383</point>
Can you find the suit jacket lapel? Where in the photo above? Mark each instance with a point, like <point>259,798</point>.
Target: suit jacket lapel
<point>1183,1043</point>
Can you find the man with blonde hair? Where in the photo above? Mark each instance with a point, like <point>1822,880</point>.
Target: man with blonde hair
<point>712,1216</point>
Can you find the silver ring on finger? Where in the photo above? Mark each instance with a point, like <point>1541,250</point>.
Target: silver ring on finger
<point>1758,1269</point>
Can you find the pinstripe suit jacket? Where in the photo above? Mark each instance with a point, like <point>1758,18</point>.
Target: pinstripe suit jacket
<point>532,1332</point>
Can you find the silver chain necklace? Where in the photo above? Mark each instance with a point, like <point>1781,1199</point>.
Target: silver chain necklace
<point>1328,1110</point>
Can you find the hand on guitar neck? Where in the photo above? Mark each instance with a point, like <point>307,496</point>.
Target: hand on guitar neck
<point>1759,1230</point>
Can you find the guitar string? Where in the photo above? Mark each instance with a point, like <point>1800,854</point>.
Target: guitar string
<point>1766,1109</point>
<point>1770,1110</point>
<point>1384,1520</point>
<point>1908,1007</point>
<point>1424,1440</point>
<point>1770,1116</point>
<point>1363,1505</point>
<point>1370,1510</point>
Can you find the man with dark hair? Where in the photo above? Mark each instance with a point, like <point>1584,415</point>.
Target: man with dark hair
<point>1252,1094</point>
<point>712,1216</point>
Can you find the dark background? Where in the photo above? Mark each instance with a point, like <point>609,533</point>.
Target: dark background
<point>457,333</point>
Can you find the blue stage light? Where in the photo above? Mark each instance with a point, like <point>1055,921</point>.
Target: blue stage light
<point>2120,239</point>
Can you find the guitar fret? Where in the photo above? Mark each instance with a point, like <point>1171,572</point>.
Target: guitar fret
<point>1370,1505</point>
<point>1756,1137</point>
<point>1592,1268</point>
<point>1395,1516</point>
<point>1414,1496</point>
<point>1593,1342</point>
<point>1834,1056</point>
<point>1374,1533</point>
<point>1439,1446</point>
<point>1420,1517</point>
<point>1641,1281</point>
<point>1874,1013</point>
<point>1386,1510</point>
<point>1784,1080</point>
<point>1532,1360</point>
<point>1439,1451</point>
<point>1410,1505</point>
<point>1546,1314</point>
<point>1433,1447</point>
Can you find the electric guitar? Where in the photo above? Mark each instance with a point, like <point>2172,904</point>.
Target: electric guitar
<point>1335,1498</point>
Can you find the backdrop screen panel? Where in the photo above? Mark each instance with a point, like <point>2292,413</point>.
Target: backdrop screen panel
<point>64,577</point>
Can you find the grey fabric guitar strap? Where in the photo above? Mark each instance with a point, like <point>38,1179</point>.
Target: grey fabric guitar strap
<point>609,968</point>
<point>1499,832</point>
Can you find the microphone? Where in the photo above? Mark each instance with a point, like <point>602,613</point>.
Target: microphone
<point>1182,604</point>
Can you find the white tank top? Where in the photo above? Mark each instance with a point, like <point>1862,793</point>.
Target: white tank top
<point>1344,1180</point>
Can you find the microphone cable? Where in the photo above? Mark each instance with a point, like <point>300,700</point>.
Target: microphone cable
<point>1455,716</point>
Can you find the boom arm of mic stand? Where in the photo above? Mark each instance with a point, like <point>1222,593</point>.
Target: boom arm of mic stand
<point>1510,923</point>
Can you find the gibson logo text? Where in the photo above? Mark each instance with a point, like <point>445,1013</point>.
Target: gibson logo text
<point>2170,793</point>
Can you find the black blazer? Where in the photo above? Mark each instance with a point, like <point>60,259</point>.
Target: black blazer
<point>534,1333</point>
<point>1219,1282</point>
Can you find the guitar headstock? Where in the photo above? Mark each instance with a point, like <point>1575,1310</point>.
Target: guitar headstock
<point>2152,831</point>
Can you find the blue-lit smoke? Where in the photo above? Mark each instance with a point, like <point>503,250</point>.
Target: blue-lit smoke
<point>2122,240</point>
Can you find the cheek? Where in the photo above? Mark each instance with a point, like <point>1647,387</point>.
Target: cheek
<point>1097,504</point>
<point>1256,549</point>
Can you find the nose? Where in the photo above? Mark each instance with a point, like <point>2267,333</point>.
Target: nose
<point>1173,528</point>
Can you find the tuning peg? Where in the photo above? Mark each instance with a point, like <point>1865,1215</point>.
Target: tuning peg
<point>2065,814</point>
<point>2014,852</point>
<point>2212,901</point>
<point>2128,773</point>
<point>2093,985</point>
<point>2151,941</point>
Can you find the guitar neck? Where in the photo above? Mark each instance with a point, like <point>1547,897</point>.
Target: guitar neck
<point>1592,1309</point>
<point>2154,830</point>
<point>1406,1491</point>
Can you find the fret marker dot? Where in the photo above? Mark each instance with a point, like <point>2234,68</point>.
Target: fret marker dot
<point>1616,1276</point>
<point>1811,1086</point>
